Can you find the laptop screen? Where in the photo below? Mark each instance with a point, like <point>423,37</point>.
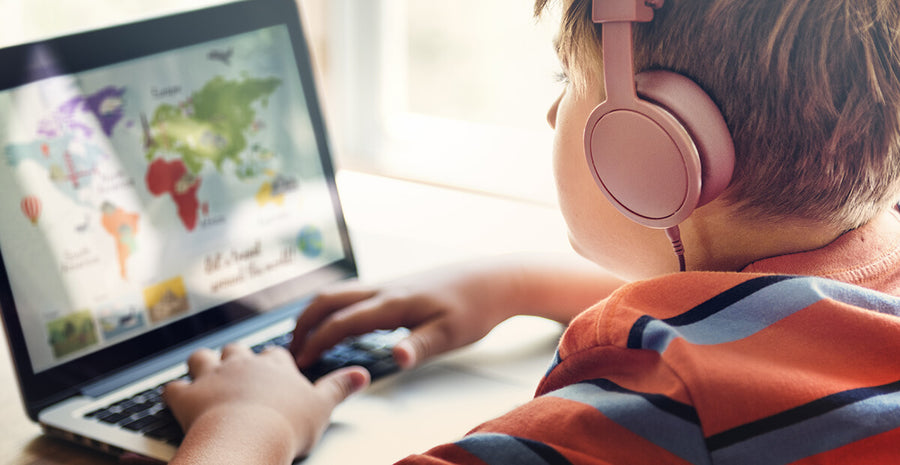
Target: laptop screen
<point>154,182</point>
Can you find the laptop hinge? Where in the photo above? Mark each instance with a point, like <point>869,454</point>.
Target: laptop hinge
<point>159,362</point>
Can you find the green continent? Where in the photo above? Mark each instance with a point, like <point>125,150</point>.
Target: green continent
<point>212,125</point>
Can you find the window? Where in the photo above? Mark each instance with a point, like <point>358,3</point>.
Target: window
<point>452,93</point>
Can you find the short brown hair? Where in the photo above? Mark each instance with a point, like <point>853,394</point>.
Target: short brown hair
<point>809,89</point>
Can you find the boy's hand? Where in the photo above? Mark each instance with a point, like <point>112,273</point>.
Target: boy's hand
<point>240,396</point>
<point>444,310</point>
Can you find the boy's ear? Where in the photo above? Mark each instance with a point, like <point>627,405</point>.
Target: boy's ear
<point>702,120</point>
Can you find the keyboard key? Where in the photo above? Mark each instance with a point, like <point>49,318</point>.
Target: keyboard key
<point>140,423</point>
<point>170,433</point>
<point>112,417</point>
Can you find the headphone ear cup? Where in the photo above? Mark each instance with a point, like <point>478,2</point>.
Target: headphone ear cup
<point>703,121</point>
<point>644,161</point>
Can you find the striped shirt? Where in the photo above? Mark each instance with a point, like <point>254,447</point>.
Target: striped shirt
<point>721,368</point>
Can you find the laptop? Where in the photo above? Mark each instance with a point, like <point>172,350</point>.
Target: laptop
<point>165,185</point>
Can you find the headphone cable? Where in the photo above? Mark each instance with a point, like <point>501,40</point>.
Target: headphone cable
<point>674,235</point>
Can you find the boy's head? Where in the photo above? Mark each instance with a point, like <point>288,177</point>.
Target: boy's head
<point>810,91</point>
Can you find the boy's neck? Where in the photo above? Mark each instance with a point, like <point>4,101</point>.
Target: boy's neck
<point>717,240</point>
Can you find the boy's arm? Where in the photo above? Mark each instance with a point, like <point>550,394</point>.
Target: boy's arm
<point>243,408</point>
<point>561,289</point>
<point>237,436</point>
<point>452,306</point>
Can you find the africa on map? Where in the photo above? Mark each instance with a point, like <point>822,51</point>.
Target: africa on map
<point>211,126</point>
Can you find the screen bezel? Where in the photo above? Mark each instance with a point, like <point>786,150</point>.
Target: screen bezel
<point>93,49</point>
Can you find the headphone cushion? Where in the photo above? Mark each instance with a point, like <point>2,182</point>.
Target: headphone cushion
<point>700,116</point>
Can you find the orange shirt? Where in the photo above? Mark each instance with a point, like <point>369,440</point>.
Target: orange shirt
<point>723,368</point>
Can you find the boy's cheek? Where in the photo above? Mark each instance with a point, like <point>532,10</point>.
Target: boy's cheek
<point>599,233</point>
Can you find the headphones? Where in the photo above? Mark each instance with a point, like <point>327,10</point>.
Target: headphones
<point>658,147</point>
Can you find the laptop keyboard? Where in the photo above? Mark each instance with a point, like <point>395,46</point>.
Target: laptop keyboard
<point>146,413</point>
<point>374,351</point>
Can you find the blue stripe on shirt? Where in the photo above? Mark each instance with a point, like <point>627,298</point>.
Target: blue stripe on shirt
<point>667,423</point>
<point>553,363</point>
<point>813,428</point>
<point>754,312</point>
<point>707,308</point>
<point>502,449</point>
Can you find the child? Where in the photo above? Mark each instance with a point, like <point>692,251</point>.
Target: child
<point>741,359</point>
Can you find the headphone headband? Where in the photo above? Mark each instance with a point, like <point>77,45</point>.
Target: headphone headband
<point>617,11</point>
<point>658,147</point>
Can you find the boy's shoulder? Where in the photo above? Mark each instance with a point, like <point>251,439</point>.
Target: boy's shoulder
<point>862,262</point>
<point>713,308</point>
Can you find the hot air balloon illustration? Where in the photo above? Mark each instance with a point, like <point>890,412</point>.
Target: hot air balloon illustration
<point>31,207</point>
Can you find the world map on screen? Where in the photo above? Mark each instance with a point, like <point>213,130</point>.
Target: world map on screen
<point>148,190</point>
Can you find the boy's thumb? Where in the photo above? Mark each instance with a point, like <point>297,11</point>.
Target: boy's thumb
<point>341,384</point>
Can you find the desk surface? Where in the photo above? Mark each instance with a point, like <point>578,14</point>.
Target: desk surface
<point>396,228</point>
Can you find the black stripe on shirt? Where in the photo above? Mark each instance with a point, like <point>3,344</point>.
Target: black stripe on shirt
<point>545,452</point>
<point>706,309</point>
<point>670,406</point>
<point>797,414</point>
<point>636,334</point>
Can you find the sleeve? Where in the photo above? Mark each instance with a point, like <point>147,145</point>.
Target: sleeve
<point>597,423</point>
<point>557,431</point>
<point>602,406</point>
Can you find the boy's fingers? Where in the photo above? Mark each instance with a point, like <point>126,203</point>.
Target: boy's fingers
<point>233,349</point>
<point>341,384</point>
<point>174,388</point>
<point>424,342</point>
<point>323,306</point>
<point>358,318</point>
<point>201,361</point>
<point>278,353</point>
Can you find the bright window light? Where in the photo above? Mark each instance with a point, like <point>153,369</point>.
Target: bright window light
<point>452,93</point>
